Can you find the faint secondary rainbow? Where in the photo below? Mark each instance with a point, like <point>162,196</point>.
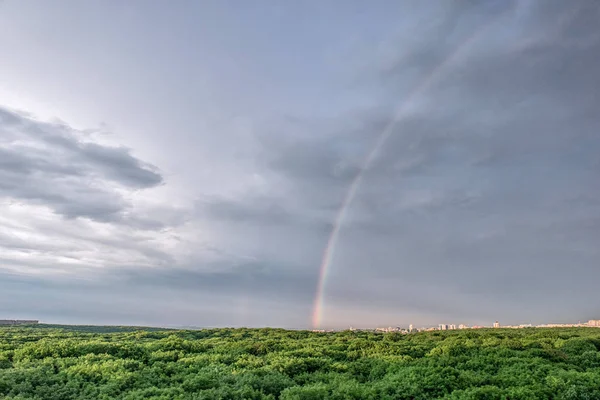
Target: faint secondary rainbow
<point>423,85</point>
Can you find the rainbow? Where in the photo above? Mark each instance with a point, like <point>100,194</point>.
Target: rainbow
<point>400,113</point>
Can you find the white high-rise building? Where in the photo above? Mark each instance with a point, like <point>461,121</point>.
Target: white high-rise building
<point>496,324</point>
<point>452,326</point>
<point>410,328</point>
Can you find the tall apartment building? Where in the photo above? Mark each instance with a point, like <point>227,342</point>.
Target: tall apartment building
<point>496,324</point>
<point>594,322</point>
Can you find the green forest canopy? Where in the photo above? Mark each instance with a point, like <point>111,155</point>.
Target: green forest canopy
<point>124,363</point>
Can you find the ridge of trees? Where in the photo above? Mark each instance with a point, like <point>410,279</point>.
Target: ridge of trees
<point>51,362</point>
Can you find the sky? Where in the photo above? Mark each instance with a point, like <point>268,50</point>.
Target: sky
<point>184,163</point>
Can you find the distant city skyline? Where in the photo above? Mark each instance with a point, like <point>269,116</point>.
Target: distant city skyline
<point>496,325</point>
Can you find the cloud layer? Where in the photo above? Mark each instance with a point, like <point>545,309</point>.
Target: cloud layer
<point>52,165</point>
<point>483,199</point>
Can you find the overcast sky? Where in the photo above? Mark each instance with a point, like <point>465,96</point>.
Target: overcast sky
<point>182,163</point>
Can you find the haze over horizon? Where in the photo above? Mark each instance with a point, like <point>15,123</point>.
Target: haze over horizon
<point>183,163</point>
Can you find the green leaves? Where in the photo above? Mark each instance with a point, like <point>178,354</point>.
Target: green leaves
<point>123,363</point>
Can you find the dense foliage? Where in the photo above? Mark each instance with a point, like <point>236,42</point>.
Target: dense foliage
<point>54,363</point>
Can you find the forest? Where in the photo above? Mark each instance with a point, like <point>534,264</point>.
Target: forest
<point>53,362</point>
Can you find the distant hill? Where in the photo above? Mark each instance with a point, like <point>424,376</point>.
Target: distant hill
<point>4,322</point>
<point>99,328</point>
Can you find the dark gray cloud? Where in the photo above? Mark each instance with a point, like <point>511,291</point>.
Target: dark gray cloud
<point>69,204</point>
<point>254,210</point>
<point>259,279</point>
<point>265,211</point>
<point>440,33</point>
<point>481,190</point>
<point>50,164</point>
<point>249,295</point>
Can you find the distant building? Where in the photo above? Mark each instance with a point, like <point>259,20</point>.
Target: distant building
<point>463,326</point>
<point>593,322</point>
<point>443,327</point>
<point>496,324</point>
<point>411,328</point>
<point>452,327</point>
<point>18,322</point>
<point>559,325</point>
